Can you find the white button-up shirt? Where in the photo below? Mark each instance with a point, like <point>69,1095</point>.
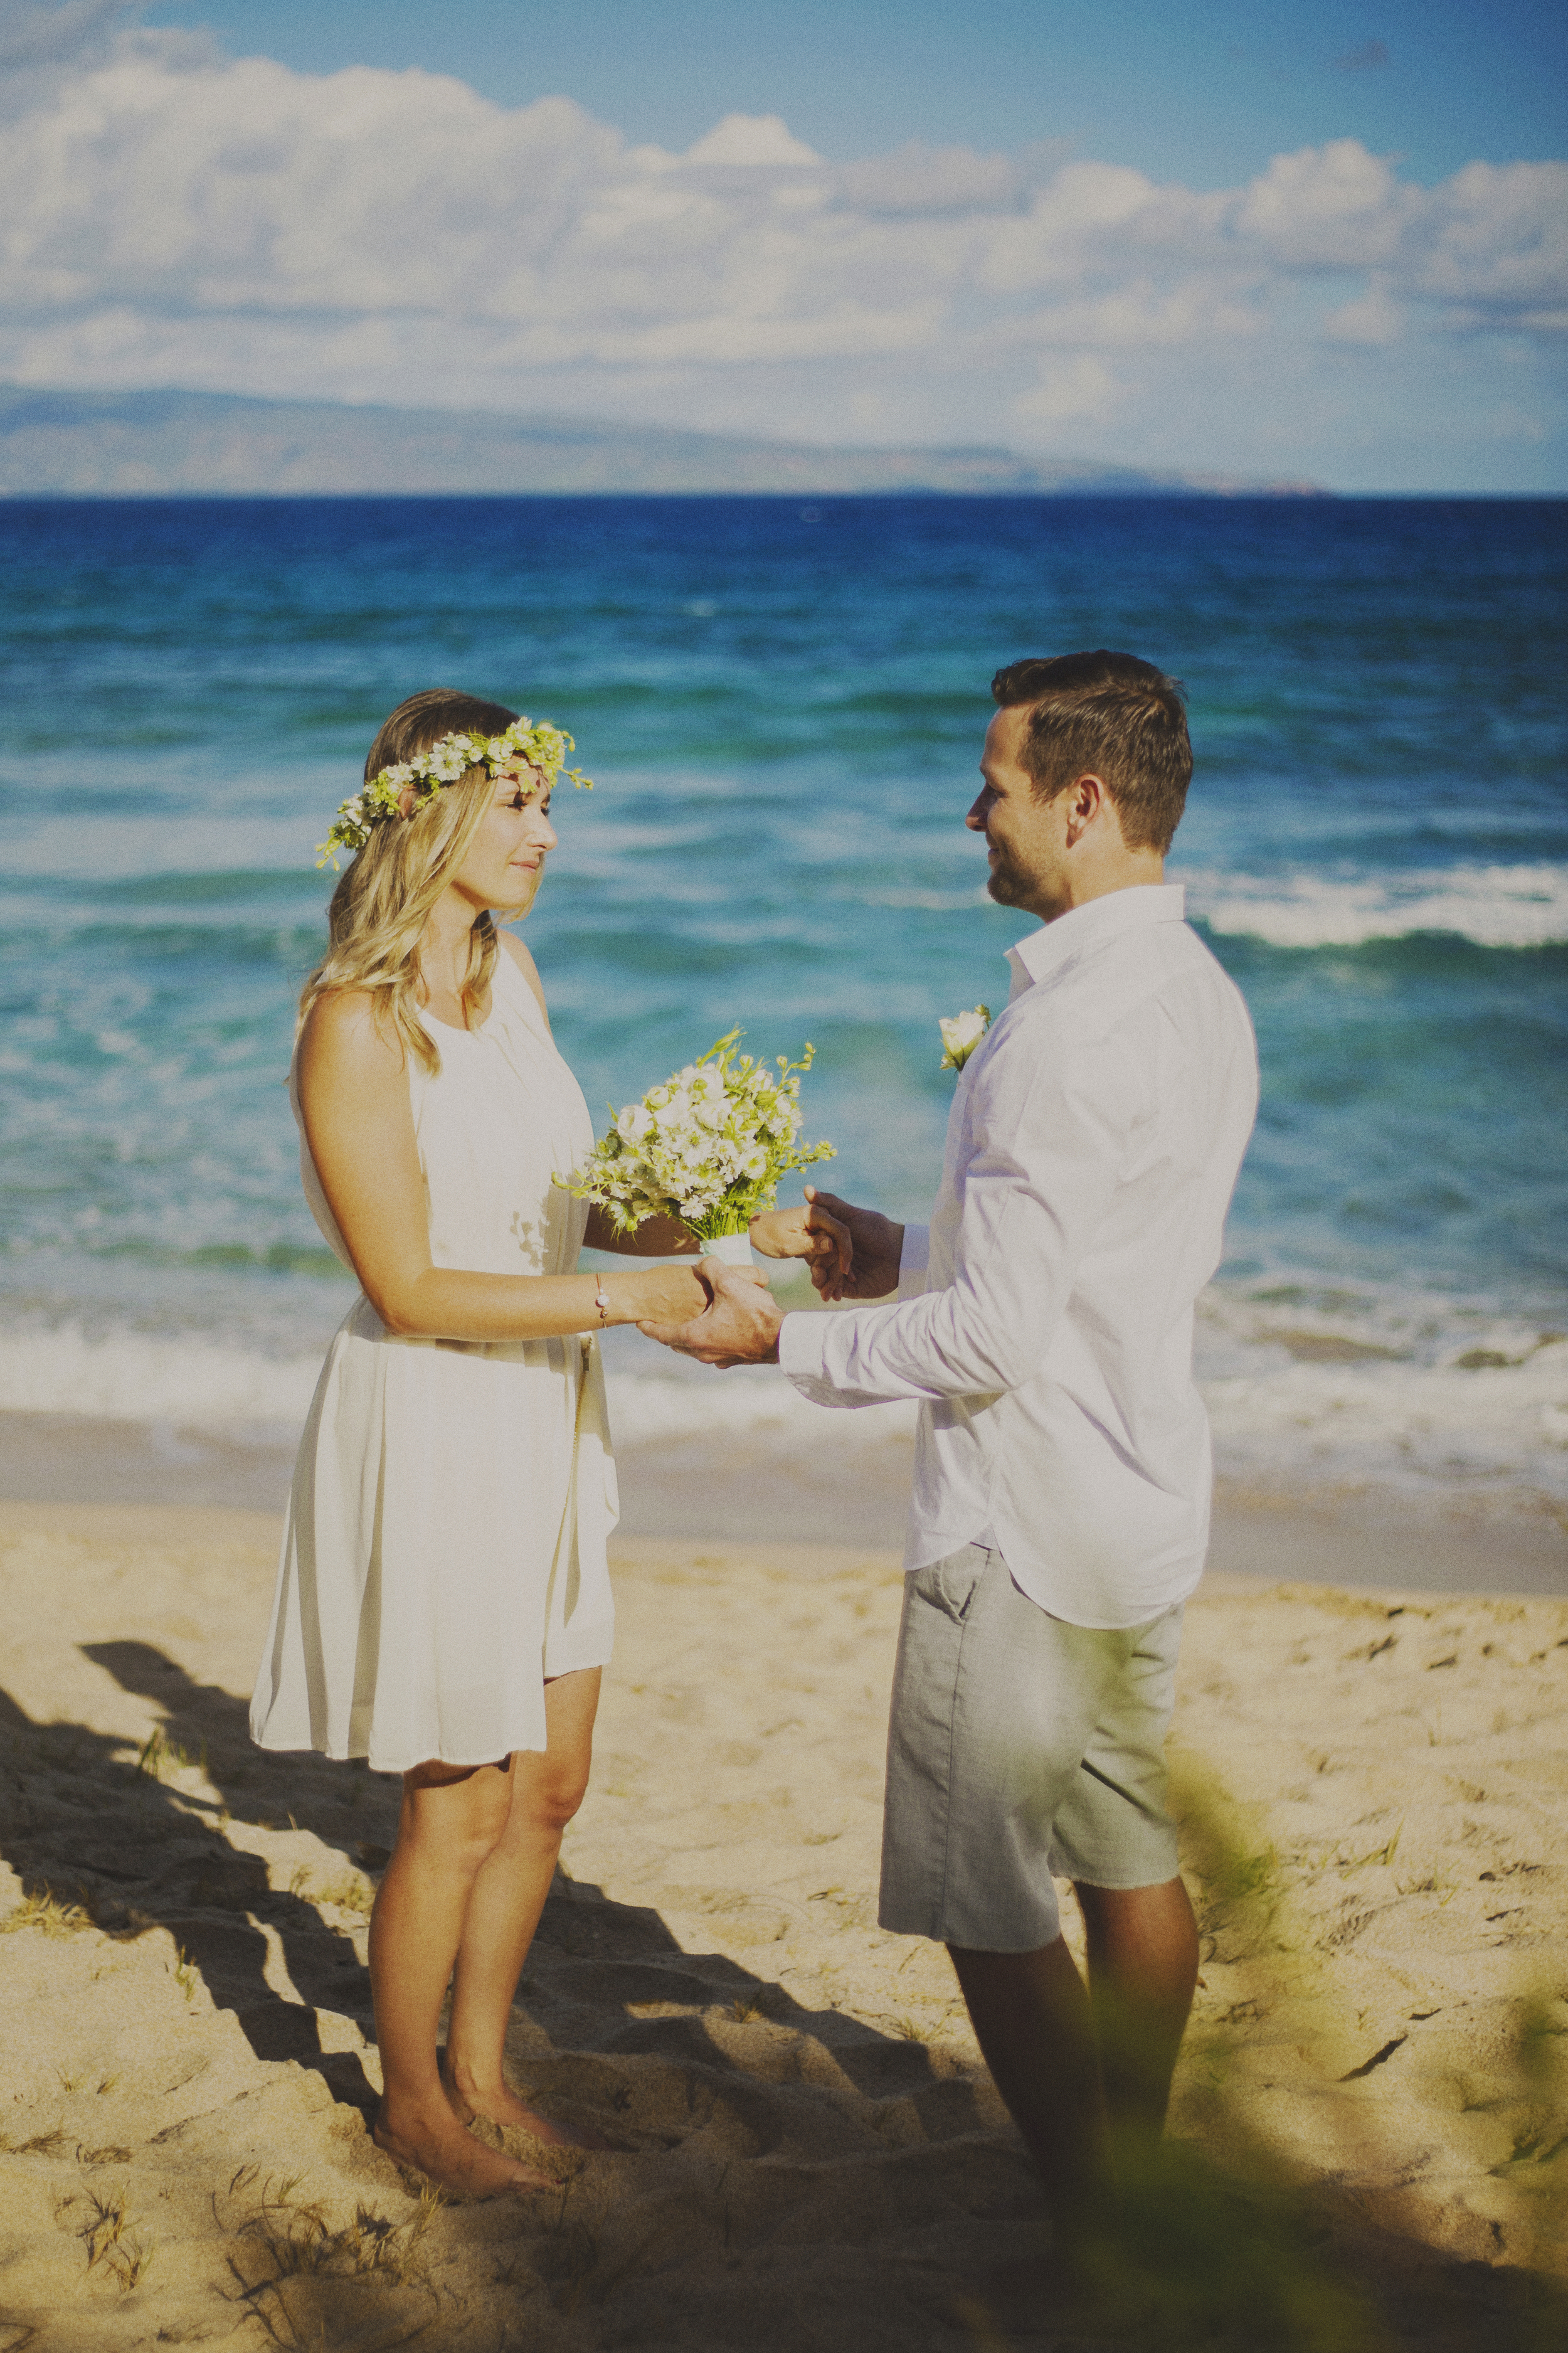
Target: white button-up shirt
<point>1044,1317</point>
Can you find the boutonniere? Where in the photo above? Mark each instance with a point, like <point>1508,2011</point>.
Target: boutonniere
<point>961,1033</point>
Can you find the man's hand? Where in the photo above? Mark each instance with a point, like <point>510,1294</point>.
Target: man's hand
<point>876,1247</point>
<point>740,1325</point>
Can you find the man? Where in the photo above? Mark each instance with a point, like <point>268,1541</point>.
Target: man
<point>1059,1517</point>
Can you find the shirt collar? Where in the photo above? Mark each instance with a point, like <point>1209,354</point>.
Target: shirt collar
<point>1046,950</point>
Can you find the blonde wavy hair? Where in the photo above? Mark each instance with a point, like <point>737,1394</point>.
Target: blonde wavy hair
<point>387,892</point>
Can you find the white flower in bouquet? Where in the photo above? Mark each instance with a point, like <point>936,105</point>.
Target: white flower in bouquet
<point>707,1147</point>
<point>961,1033</point>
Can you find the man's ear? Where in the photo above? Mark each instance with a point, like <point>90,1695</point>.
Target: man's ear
<point>1086,797</point>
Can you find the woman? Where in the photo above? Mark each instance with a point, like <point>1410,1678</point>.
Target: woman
<point>443,1602</point>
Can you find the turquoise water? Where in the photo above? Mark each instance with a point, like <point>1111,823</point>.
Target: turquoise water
<point>783,705</point>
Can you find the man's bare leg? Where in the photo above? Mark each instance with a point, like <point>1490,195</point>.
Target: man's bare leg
<point>1068,2061</point>
<point>1032,2020</point>
<point>1142,1967</point>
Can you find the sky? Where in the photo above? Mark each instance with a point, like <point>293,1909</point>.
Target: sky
<point>1264,242</point>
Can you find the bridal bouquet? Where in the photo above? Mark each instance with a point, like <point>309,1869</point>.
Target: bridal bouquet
<point>707,1147</point>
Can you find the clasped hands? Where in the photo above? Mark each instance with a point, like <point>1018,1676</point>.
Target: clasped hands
<point>849,1253</point>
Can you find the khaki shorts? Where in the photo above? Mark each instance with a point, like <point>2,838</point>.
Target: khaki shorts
<point>1020,1747</point>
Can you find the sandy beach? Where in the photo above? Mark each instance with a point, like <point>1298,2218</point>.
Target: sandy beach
<point>1372,2105</point>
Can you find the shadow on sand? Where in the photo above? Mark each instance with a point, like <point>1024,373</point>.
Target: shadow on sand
<point>772,2161</point>
<point>101,1828</point>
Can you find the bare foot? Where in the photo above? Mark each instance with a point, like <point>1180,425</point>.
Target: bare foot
<point>499,2105</point>
<point>437,2146</point>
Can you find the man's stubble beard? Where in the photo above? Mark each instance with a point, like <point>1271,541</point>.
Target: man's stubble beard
<point>1006,885</point>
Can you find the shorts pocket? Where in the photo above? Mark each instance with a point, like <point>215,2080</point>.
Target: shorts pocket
<point>951,1585</point>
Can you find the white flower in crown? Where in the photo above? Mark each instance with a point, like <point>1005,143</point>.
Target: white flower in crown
<point>961,1033</point>
<point>402,788</point>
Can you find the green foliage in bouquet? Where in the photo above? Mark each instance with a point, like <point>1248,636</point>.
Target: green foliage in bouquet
<point>706,1147</point>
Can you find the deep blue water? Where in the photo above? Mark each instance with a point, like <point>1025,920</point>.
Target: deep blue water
<point>783,705</point>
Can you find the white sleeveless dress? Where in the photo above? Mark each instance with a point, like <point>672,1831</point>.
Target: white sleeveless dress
<point>444,1545</point>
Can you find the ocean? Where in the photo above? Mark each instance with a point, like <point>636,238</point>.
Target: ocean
<point>782,703</point>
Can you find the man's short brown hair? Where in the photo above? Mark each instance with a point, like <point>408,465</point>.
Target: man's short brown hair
<point>1111,716</point>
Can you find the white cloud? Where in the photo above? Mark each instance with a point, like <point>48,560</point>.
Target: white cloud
<point>916,180</point>
<point>32,34</point>
<point>1332,207</point>
<point>1070,392</point>
<point>752,140</point>
<point>1494,249</point>
<point>170,215</point>
<point>1372,318</point>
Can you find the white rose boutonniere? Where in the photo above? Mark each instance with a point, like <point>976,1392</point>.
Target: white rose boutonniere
<point>961,1033</point>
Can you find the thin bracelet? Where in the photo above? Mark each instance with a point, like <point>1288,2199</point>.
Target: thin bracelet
<point>602,1301</point>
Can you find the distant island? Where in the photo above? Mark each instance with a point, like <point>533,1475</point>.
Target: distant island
<point>209,444</point>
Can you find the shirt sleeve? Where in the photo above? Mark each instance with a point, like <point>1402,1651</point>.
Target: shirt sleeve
<point>914,1261</point>
<point>1052,1123</point>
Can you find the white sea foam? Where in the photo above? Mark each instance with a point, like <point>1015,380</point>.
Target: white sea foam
<point>760,1407</point>
<point>1493,1414</point>
<point>205,1384</point>
<point>1310,1384</point>
<point>195,1382</point>
<point>1398,1425</point>
<point>1495,906</point>
<point>1294,1395</point>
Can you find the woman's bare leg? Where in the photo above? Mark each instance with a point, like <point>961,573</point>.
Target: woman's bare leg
<point>507,1897</point>
<point>451,1820</point>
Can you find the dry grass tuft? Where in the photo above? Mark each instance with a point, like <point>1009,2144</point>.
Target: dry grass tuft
<point>286,2246</point>
<point>104,2234</point>
<point>349,1891</point>
<point>45,1911</point>
<point>129,2260</point>
<point>159,1756</point>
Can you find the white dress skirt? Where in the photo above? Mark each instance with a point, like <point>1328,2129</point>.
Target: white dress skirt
<point>444,1551</point>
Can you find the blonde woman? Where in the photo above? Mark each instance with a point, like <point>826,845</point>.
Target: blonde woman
<point>443,1603</point>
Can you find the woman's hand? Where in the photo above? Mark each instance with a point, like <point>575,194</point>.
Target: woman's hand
<point>657,1295</point>
<point>812,1234</point>
<point>740,1327</point>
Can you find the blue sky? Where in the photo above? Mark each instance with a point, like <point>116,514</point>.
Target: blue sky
<point>1206,93</point>
<point>1258,243</point>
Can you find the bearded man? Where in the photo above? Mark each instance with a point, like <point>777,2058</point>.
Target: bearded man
<point>1061,1510</point>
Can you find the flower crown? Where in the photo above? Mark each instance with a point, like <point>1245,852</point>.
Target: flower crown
<point>399,790</point>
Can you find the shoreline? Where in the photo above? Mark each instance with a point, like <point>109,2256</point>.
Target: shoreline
<point>730,1491</point>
